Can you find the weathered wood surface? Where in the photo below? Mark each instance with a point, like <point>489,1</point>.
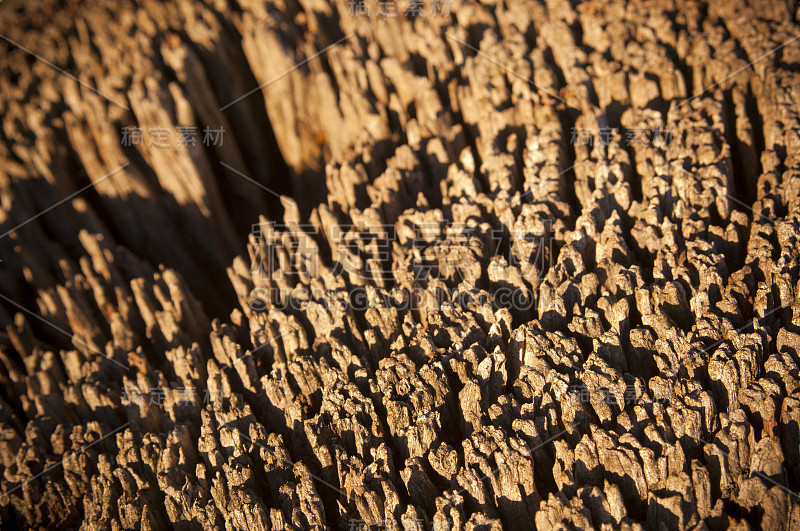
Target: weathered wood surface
<point>465,315</point>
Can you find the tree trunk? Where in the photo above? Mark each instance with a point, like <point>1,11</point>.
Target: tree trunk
<point>440,265</point>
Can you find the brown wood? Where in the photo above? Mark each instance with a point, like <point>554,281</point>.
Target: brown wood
<point>521,265</point>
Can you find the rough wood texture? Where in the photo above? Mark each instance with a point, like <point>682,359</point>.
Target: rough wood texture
<point>511,265</point>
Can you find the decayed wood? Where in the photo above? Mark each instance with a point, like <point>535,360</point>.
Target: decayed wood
<point>497,266</point>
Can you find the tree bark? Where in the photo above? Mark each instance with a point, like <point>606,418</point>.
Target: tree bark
<point>508,265</point>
